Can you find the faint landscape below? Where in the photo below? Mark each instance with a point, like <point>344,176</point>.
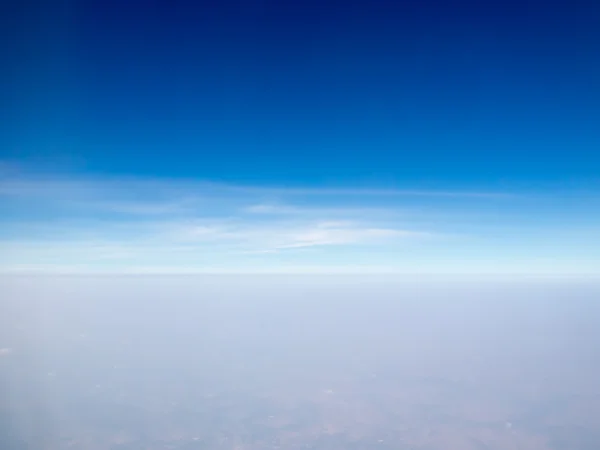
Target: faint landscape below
<point>224,362</point>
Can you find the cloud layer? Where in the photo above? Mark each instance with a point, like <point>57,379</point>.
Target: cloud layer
<point>79,224</point>
<point>53,222</point>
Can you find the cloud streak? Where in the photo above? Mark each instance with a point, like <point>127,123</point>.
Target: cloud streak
<point>132,222</point>
<point>53,224</point>
<point>24,185</point>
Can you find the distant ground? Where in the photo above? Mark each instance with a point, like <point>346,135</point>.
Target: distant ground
<point>214,363</point>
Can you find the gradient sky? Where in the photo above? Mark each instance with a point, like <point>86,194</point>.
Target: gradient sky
<point>262,135</point>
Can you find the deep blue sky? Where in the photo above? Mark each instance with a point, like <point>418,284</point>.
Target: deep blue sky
<point>410,94</point>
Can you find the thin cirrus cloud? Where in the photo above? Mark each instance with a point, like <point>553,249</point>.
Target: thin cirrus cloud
<point>192,245</point>
<point>76,222</point>
<point>79,224</point>
<point>340,234</point>
<point>275,236</point>
<point>155,197</point>
<point>18,183</point>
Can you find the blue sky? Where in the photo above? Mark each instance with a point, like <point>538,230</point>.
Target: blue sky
<point>301,136</point>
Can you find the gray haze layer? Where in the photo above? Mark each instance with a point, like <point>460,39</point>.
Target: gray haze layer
<point>256,362</point>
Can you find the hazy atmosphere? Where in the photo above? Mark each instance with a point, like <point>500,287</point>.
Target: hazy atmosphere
<point>204,362</point>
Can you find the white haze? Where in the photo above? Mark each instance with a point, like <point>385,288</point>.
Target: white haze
<point>132,361</point>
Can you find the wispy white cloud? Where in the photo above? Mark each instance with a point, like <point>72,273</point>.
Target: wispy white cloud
<point>133,222</point>
<point>143,208</point>
<point>341,234</point>
<point>270,236</point>
<point>54,223</point>
<point>24,185</point>
<point>332,210</point>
